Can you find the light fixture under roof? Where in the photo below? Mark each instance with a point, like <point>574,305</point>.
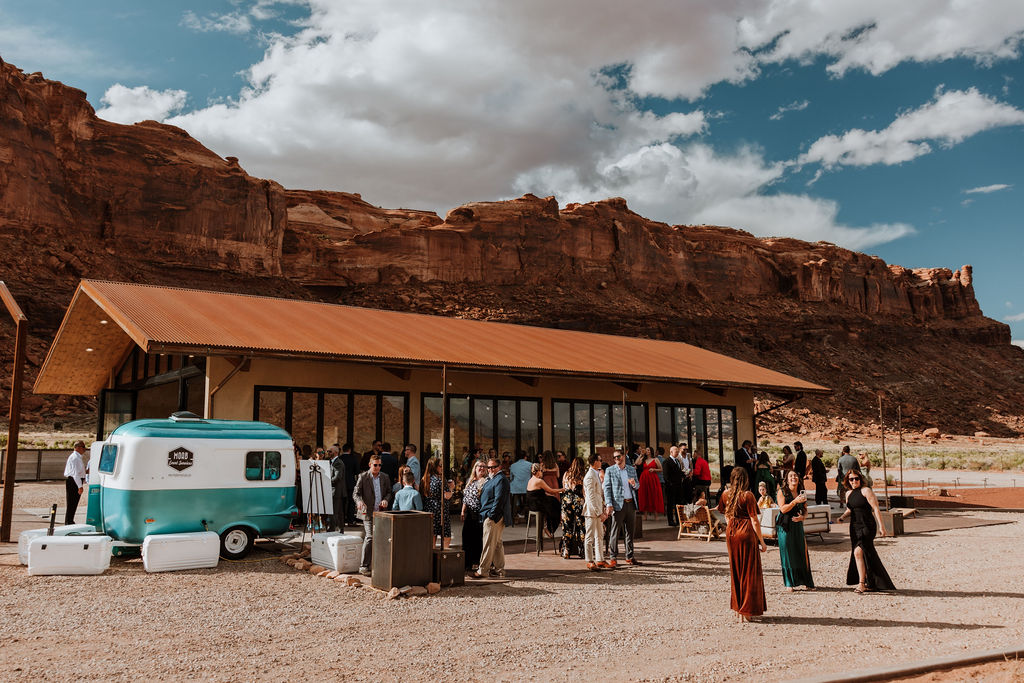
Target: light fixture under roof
<point>103,322</point>
<point>88,349</point>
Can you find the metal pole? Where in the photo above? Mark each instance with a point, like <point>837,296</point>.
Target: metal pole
<point>885,473</point>
<point>899,423</point>
<point>11,459</point>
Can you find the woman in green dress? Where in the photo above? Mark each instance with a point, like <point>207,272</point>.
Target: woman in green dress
<point>796,565</point>
<point>764,473</point>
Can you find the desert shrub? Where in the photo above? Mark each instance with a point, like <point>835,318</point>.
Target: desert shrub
<point>765,443</point>
<point>836,440</point>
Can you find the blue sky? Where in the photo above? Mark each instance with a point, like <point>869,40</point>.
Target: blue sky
<point>891,128</point>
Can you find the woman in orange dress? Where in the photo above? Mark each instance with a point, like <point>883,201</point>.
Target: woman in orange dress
<point>743,539</point>
<point>651,499</point>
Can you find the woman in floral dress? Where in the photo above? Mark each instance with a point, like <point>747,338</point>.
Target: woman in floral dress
<point>574,526</point>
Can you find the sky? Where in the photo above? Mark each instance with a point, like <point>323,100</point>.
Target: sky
<point>893,128</point>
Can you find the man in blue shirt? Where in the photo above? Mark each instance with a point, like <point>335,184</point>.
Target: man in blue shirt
<point>495,508</point>
<point>408,498</point>
<point>520,470</point>
<point>412,461</point>
<point>620,487</point>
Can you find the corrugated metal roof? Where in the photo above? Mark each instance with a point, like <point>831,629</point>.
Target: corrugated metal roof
<point>165,318</point>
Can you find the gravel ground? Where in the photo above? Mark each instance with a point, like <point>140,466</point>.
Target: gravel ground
<point>669,619</point>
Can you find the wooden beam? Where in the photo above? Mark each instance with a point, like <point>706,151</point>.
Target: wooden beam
<point>629,386</point>
<point>11,457</point>
<point>401,373</point>
<point>717,391</point>
<point>239,363</point>
<point>528,381</point>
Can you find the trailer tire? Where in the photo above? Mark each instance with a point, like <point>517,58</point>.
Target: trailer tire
<point>236,542</point>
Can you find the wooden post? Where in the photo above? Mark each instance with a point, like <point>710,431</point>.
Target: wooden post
<point>445,450</point>
<point>11,460</point>
<point>885,472</point>
<point>899,427</point>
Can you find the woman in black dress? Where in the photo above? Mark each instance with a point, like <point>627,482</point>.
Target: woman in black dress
<point>866,568</point>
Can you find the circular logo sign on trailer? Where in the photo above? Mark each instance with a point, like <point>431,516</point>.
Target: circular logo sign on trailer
<point>180,458</point>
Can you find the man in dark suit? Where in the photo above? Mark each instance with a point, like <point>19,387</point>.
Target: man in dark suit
<point>375,449</point>
<point>372,493</point>
<point>351,461</point>
<point>673,485</point>
<point>389,463</point>
<point>800,464</point>
<point>338,487</point>
<point>747,458</point>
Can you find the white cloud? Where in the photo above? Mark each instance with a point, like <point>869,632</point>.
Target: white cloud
<point>951,117</point>
<point>987,189</point>
<point>432,105</point>
<point>799,105</point>
<point>1018,342</point>
<point>131,105</point>
<point>1016,318</point>
<point>232,22</point>
<point>876,35</point>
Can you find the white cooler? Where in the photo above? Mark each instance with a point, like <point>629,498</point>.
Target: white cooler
<point>171,552</point>
<point>26,536</point>
<point>69,555</point>
<point>337,551</point>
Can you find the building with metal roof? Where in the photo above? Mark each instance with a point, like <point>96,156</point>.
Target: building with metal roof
<point>330,374</point>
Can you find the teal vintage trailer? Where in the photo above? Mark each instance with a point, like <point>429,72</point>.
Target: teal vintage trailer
<point>187,474</point>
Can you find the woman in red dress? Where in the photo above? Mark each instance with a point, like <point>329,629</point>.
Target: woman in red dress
<point>743,539</point>
<point>650,496</point>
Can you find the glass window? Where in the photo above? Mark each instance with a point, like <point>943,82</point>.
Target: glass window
<point>254,465</point>
<point>618,431</point>
<point>529,427</point>
<point>665,436</point>
<point>714,445</point>
<point>601,425</point>
<point>506,426</point>
<point>728,431</point>
<point>432,427</point>
<point>303,431</point>
<point>117,409</point>
<point>638,423</point>
<point>699,445</point>
<point>108,458</point>
<point>159,401</point>
<point>364,422</point>
<point>682,426</point>
<point>561,426</point>
<point>392,415</point>
<point>458,434</point>
<point>335,419</point>
<point>272,466</point>
<point>483,423</point>
<point>581,426</point>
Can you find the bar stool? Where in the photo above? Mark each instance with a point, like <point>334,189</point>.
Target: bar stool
<point>535,517</point>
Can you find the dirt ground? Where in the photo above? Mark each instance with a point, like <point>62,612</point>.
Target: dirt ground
<point>1011,671</point>
<point>550,620</point>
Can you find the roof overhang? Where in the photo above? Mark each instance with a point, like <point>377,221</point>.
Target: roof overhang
<point>106,320</point>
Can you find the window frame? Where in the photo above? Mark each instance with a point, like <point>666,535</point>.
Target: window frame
<point>473,441</point>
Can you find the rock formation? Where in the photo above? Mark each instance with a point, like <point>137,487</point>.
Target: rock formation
<point>83,197</point>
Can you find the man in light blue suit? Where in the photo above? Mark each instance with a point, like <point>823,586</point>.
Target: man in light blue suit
<point>620,490</point>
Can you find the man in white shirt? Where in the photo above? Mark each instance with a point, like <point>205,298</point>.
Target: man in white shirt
<point>74,480</point>
<point>594,514</point>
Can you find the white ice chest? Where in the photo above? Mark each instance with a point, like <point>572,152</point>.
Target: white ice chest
<point>26,536</point>
<point>173,552</point>
<point>51,555</point>
<point>816,521</point>
<point>338,551</point>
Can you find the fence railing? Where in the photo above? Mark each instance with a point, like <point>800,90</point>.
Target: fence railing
<point>37,464</point>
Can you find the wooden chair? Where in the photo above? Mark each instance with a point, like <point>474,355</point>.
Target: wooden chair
<point>701,517</point>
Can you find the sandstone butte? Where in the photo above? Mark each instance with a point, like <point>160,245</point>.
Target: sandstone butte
<point>80,196</point>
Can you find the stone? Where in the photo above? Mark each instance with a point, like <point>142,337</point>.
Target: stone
<point>433,588</point>
<point>316,569</point>
<point>417,590</point>
<point>393,593</point>
<point>353,581</point>
<point>333,574</point>
<point>931,432</point>
<point>339,579</point>
<point>981,435</point>
<point>324,573</point>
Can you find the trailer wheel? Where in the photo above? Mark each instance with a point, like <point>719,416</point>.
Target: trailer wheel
<point>236,542</point>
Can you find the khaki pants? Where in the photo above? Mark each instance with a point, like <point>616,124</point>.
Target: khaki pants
<point>592,548</point>
<point>494,551</point>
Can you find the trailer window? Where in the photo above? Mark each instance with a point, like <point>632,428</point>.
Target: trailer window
<point>262,465</point>
<point>108,458</point>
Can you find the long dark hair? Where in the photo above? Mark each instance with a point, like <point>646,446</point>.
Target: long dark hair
<point>788,496</point>
<point>738,486</point>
